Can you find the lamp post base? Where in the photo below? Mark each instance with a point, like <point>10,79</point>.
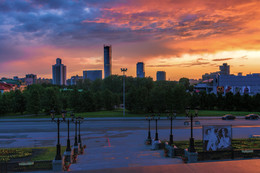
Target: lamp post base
<point>148,142</point>
<point>80,149</point>
<point>171,140</point>
<point>74,154</point>
<point>156,145</point>
<point>191,147</point>
<point>57,165</point>
<point>192,157</point>
<point>66,160</point>
<point>58,155</point>
<point>156,137</point>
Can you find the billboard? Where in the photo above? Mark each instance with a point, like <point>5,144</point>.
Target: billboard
<point>246,89</point>
<point>228,89</point>
<point>235,89</point>
<point>238,89</point>
<point>217,137</point>
<point>220,89</point>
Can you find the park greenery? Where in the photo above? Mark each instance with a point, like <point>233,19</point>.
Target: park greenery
<point>237,144</point>
<point>28,154</point>
<point>143,95</point>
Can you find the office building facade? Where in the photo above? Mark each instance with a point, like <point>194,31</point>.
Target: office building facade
<point>92,74</point>
<point>140,70</point>
<point>249,84</point>
<point>59,73</point>
<point>161,76</point>
<point>107,60</point>
<point>74,80</point>
<point>224,69</point>
<point>30,79</point>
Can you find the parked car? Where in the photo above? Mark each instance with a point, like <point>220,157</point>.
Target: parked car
<point>228,117</point>
<point>252,117</point>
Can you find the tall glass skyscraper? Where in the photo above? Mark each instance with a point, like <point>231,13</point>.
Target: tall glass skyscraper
<point>140,70</point>
<point>92,74</point>
<point>161,75</point>
<point>59,73</point>
<point>107,60</point>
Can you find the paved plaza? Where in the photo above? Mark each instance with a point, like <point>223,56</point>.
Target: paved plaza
<point>117,145</point>
<point>237,166</point>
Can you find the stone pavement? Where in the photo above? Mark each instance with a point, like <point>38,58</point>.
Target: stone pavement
<point>120,149</point>
<point>237,166</point>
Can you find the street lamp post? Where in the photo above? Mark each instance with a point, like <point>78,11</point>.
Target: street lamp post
<point>68,140</point>
<point>124,71</point>
<point>149,139</point>
<point>75,147</point>
<point>80,148</point>
<point>57,162</point>
<point>67,154</point>
<point>171,117</point>
<point>191,116</point>
<point>156,130</point>
<point>58,121</point>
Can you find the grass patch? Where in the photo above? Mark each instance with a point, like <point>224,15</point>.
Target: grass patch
<point>238,144</point>
<point>9,154</point>
<point>29,154</point>
<point>119,113</point>
<point>48,153</point>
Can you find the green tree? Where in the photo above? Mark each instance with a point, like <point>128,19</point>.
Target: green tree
<point>19,102</point>
<point>96,85</point>
<point>51,100</point>
<point>6,103</point>
<point>33,101</point>
<point>98,101</point>
<point>181,98</point>
<point>229,101</point>
<point>220,102</point>
<point>237,101</point>
<point>185,82</point>
<point>86,102</point>
<point>107,97</point>
<point>75,100</point>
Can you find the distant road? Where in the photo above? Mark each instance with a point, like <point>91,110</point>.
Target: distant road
<point>16,133</point>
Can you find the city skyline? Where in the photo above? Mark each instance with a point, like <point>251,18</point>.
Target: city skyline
<point>184,39</point>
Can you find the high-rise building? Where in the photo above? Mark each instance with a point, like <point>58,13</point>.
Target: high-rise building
<point>44,81</point>
<point>74,80</point>
<point>92,74</point>
<point>30,79</point>
<point>140,70</point>
<point>224,69</point>
<point>161,75</point>
<point>59,73</point>
<point>107,60</point>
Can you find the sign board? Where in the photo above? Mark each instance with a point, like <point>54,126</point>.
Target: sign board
<point>217,137</point>
<point>247,151</point>
<point>26,163</point>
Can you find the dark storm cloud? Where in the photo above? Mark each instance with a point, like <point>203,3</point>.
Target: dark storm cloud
<point>15,5</point>
<point>83,23</point>
<point>61,22</point>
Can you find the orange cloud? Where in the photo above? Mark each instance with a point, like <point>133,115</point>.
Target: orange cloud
<point>170,35</point>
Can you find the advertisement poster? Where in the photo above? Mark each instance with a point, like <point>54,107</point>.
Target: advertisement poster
<point>220,89</point>
<point>228,89</point>
<point>238,90</point>
<point>217,138</point>
<point>246,90</point>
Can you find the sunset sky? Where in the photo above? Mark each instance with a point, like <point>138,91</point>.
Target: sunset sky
<point>185,38</point>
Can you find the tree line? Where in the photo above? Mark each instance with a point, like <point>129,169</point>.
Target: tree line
<point>143,95</point>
